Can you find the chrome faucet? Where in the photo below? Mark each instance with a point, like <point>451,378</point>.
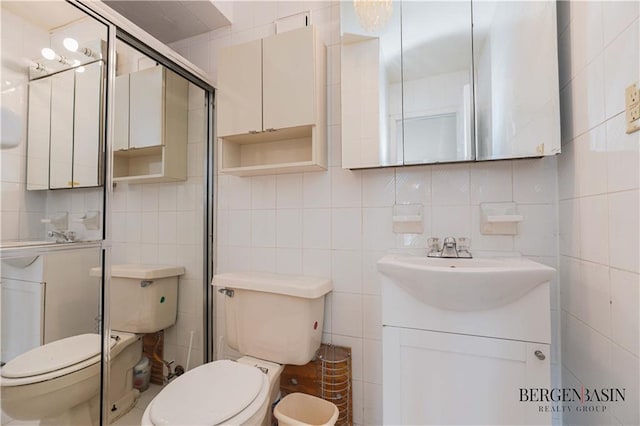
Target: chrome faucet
<point>62,236</point>
<point>450,248</point>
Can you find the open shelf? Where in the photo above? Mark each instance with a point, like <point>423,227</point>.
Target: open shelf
<point>281,151</point>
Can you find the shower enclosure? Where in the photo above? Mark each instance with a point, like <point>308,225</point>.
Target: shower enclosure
<point>60,162</point>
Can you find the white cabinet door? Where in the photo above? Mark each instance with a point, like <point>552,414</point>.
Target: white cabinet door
<point>22,316</point>
<point>239,101</point>
<point>61,152</point>
<point>38,134</point>
<point>87,137</point>
<point>146,108</point>
<point>288,79</point>
<point>433,378</point>
<point>121,114</point>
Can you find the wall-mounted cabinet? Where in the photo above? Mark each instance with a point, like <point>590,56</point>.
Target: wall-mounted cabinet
<point>271,105</point>
<point>443,82</point>
<point>150,134</point>
<point>65,129</point>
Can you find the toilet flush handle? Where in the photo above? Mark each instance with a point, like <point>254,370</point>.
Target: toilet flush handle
<point>226,291</point>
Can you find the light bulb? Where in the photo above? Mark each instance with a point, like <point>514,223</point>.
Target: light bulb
<point>71,44</point>
<point>48,53</point>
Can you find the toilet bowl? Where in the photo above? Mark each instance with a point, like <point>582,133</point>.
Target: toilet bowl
<point>267,317</point>
<point>220,392</point>
<point>58,383</point>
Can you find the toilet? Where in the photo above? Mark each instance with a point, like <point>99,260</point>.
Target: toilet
<point>272,320</point>
<point>59,383</point>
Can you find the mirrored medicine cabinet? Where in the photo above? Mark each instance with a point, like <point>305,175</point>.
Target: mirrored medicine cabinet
<point>65,146</point>
<point>436,82</point>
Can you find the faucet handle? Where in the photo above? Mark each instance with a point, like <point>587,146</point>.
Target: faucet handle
<point>463,247</point>
<point>433,244</point>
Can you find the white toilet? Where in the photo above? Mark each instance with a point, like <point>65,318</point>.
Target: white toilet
<point>59,383</point>
<point>271,319</point>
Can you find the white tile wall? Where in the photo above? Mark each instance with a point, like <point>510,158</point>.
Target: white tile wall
<point>161,223</point>
<point>599,207</point>
<point>21,210</point>
<point>338,223</point>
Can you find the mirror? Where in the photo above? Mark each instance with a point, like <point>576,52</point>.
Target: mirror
<point>441,82</point>
<point>516,73</point>
<point>437,82</point>
<point>65,122</point>
<point>53,75</point>
<point>371,91</point>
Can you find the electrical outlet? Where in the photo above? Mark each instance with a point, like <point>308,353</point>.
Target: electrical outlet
<point>632,95</point>
<point>633,113</point>
<point>632,102</point>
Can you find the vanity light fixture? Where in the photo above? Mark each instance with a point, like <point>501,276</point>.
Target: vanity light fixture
<point>51,55</point>
<point>373,14</point>
<point>71,44</point>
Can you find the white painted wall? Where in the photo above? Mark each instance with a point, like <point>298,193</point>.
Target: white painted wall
<point>599,185</point>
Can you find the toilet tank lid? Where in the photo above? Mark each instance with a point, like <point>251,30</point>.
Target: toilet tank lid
<point>290,285</point>
<point>142,272</point>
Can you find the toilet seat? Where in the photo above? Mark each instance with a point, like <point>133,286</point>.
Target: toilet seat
<point>53,360</point>
<point>214,393</point>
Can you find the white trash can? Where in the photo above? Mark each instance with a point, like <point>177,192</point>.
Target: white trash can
<point>300,409</point>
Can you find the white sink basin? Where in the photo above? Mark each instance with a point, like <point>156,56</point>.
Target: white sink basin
<point>465,284</point>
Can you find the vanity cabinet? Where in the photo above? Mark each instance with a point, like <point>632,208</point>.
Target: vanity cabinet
<point>271,105</point>
<point>458,344</point>
<point>65,129</point>
<point>150,135</point>
<point>444,378</point>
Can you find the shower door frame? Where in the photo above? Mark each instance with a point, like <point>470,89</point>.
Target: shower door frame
<point>125,30</point>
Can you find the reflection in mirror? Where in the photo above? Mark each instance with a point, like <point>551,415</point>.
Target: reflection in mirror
<point>52,85</point>
<point>151,120</point>
<point>371,90</point>
<point>437,82</point>
<point>47,298</point>
<point>516,74</point>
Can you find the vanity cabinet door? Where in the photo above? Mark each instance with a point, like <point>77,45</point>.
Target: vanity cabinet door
<point>38,134</point>
<point>443,378</point>
<point>61,161</point>
<point>87,134</point>
<point>289,79</point>
<point>239,102</point>
<point>146,108</point>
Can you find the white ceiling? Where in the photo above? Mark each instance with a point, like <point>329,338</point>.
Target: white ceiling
<point>47,15</point>
<point>171,20</point>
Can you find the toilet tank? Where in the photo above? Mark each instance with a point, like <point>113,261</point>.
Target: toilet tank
<point>274,317</point>
<point>144,298</point>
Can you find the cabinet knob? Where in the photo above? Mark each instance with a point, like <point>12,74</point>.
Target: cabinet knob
<point>294,381</point>
<point>539,355</point>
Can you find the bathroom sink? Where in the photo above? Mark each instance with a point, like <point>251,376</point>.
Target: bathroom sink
<point>15,244</point>
<point>465,284</point>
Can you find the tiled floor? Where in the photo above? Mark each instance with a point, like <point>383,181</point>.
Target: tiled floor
<point>134,417</point>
